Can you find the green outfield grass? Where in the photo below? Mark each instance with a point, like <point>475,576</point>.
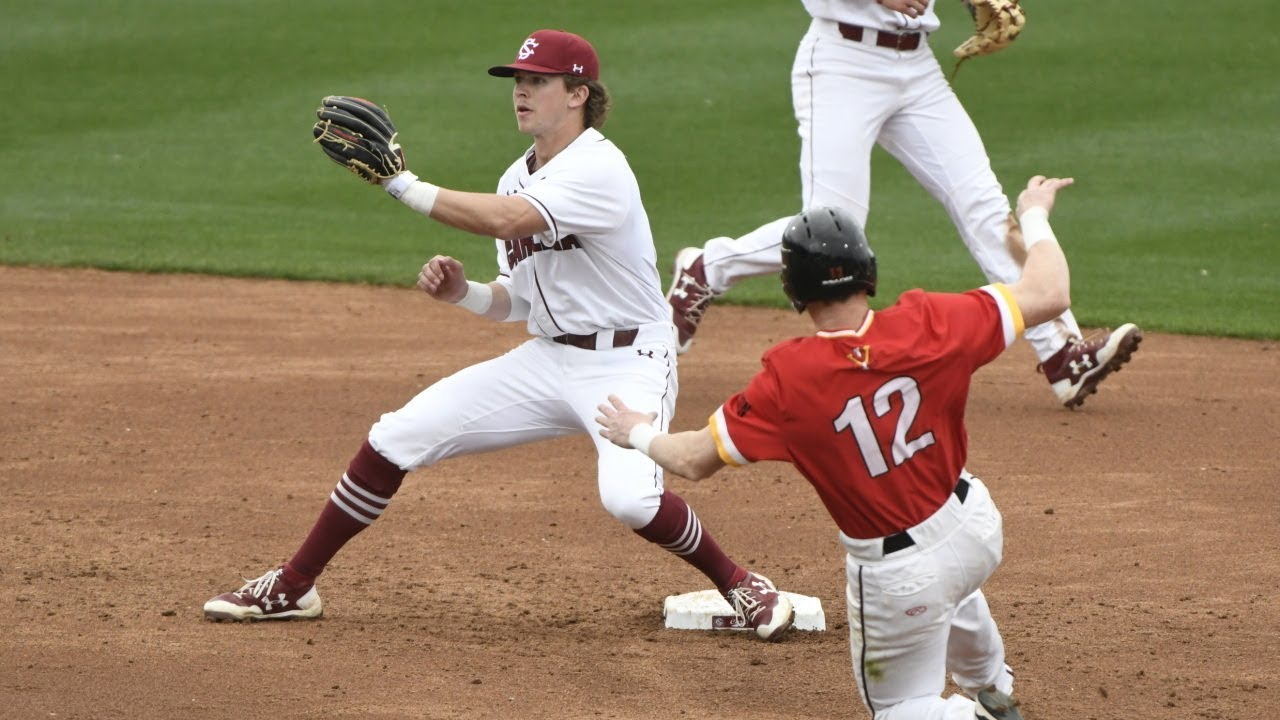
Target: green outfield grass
<point>171,135</point>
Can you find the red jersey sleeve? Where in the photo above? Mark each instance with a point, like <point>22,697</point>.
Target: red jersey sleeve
<point>1011,322</point>
<point>747,427</point>
<point>981,323</point>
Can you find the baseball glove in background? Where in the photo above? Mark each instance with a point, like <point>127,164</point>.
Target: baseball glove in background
<point>359,136</point>
<point>996,25</point>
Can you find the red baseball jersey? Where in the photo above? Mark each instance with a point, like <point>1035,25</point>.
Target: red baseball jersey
<point>874,417</point>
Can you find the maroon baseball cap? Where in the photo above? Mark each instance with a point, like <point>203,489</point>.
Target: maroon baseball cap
<point>555,52</point>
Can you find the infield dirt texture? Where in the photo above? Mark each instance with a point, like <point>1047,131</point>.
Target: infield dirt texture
<point>163,434</point>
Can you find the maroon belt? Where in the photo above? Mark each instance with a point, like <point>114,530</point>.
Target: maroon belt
<point>906,41</point>
<point>621,338</point>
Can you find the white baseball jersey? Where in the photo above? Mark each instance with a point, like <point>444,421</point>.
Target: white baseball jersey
<point>595,267</point>
<point>872,15</point>
<point>591,274</point>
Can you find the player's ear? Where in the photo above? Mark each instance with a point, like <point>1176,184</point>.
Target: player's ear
<point>578,95</point>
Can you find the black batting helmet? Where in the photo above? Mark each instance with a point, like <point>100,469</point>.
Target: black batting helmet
<point>825,256</point>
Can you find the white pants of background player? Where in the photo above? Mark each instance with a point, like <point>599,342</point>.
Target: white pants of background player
<point>538,391</point>
<point>850,95</point>
<point>919,612</point>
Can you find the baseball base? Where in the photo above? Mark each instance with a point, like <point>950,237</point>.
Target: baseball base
<point>707,610</point>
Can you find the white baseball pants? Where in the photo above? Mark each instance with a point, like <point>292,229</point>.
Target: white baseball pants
<point>919,612</point>
<point>850,95</point>
<point>542,390</point>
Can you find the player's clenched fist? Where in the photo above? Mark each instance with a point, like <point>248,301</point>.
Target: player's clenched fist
<point>443,279</point>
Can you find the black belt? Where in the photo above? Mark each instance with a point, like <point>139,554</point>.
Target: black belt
<point>621,338</point>
<point>905,41</point>
<point>902,540</point>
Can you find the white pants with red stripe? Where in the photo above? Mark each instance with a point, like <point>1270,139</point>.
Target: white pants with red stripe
<point>918,613</point>
<point>538,391</point>
<point>848,96</point>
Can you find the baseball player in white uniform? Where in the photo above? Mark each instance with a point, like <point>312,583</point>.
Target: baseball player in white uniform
<point>576,263</point>
<point>864,74</point>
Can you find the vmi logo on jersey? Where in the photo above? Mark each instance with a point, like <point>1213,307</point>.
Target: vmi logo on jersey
<point>518,250</point>
<point>861,356</point>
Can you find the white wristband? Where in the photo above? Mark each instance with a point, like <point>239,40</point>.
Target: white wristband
<point>1035,227</point>
<point>479,297</point>
<point>396,186</point>
<point>419,195</point>
<point>642,436</point>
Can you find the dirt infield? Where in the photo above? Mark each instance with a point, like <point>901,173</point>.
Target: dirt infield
<point>162,435</point>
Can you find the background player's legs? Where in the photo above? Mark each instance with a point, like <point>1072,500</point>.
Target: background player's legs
<point>841,92</point>
<point>937,142</point>
<point>840,99</point>
<point>727,261</point>
<point>934,138</point>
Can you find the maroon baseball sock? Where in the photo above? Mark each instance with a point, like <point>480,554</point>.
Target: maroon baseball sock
<point>677,529</point>
<point>359,499</point>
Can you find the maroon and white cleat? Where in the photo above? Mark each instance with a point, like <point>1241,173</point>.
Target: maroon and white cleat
<point>761,606</point>
<point>689,296</point>
<point>1075,371</point>
<point>265,598</point>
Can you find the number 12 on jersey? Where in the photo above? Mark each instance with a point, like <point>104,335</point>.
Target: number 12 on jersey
<point>854,418</point>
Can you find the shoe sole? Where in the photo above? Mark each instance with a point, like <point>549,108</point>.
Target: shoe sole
<point>216,616</point>
<point>219,615</point>
<point>1126,345</point>
<point>991,704</point>
<point>226,617</point>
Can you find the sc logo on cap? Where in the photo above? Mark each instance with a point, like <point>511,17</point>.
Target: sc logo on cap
<point>526,50</point>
